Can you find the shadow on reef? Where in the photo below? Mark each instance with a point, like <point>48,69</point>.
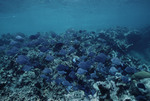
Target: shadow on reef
<point>76,65</point>
<point>139,39</point>
<point>140,43</point>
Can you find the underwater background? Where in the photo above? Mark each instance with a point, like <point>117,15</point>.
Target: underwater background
<point>74,50</point>
<point>58,15</point>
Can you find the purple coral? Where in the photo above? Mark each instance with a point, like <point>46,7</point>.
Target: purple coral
<point>22,59</point>
<point>49,58</point>
<point>62,52</point>
<point>113,70</point>
<point>13,51</point>
<point>130,70</point>
<point>81,71</point>
<point>46,71</point>
<point>100,58</point>
<point>85,65</point>
<point>116,61</point>
<point>27,68</point>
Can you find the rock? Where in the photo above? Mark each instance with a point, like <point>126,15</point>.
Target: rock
<point>74,96</point>
<point>140,75</point>
<point>19,38</point>
<point>141,89</point>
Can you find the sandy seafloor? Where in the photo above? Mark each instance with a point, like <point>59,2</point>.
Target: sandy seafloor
<point>76,65</point>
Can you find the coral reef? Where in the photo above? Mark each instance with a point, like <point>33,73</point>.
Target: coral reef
<point>77,65</point>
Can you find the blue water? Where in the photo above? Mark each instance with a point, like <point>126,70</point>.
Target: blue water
<point>30,16</point>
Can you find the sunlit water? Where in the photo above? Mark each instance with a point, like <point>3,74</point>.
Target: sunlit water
<point>30,16</point>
